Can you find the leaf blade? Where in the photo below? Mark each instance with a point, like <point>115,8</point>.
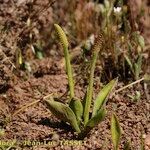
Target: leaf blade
<point>138,67</point>
<point>141,40</point>
<point>76,106</point>
<point>102,96</point>
<point>63,112</point>
<point>97,118</point>
<point>115,131</point>
<point>94,121</point>
<point>128,60</point>
<point>96,48</point>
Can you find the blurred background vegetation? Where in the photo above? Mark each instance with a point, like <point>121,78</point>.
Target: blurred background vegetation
<point>27,33</point>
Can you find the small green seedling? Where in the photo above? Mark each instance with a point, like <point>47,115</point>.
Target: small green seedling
<point>115,131</point>
<point>37,49</point>
<point>135,67</point>
<point>136,97</point>
<point>77,112</point>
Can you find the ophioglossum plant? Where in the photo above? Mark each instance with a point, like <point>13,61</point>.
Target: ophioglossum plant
<point>76,113</point>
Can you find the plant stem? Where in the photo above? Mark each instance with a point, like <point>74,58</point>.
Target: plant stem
<point>90,88</point>
<point>65,44</point>
<point>96,48</point>
<point>69,72</point>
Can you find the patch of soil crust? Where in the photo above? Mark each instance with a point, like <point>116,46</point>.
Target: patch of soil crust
<point>46,66</point>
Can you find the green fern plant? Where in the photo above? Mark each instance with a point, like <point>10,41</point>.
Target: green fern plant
<point>77,112</point>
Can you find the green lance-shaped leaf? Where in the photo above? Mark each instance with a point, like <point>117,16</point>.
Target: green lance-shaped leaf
<point>93,122</point>
<point>65,44</point>
<point>138,66</point>
<point>136,73</point>
<point>115,131</point>
<point>88,99</point>
<point>97,118</point>
<point>129,63</point>
<point>102,96</point>
<point>76,106</point>
<point>141,40</point>
<point>139,61</point>
<point>64,113</point>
